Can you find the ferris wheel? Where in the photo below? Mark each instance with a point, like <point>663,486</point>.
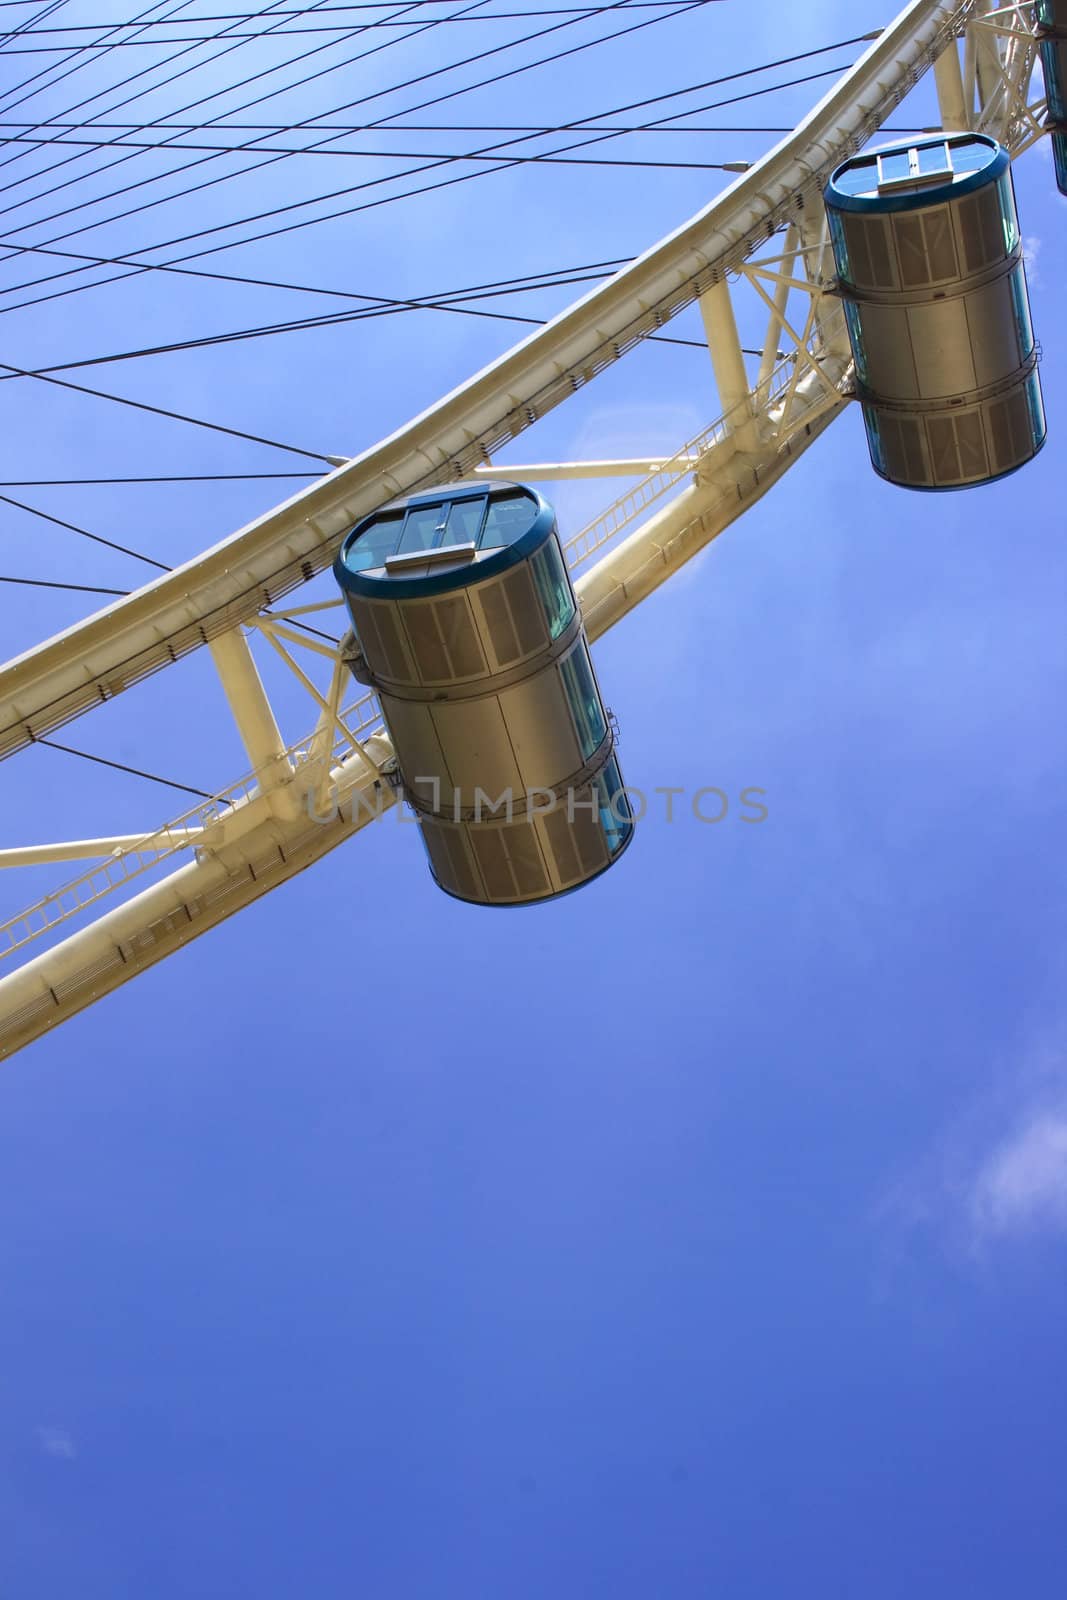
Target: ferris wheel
<point>842,249</point>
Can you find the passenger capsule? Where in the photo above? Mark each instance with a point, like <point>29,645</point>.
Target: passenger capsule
<point>466,624</point>
<point>929,260</point>
<point>1052,32</point>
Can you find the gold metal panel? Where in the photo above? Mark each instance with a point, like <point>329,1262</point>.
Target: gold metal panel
<point>417,746</point>
<point>940,337</point>
<point>541,729</point>
<point>473,736</point>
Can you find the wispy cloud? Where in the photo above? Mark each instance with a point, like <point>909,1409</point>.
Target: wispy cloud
<point>998,1174</point>
<point>1022,1184</point>
<point>1031,251</point>
<point>57,1442</point>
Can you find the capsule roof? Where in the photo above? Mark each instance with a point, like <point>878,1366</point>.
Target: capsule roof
<point>910,173</point>
<point>443,539</point>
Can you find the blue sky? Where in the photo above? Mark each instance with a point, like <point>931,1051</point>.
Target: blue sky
<point>702,1233</point>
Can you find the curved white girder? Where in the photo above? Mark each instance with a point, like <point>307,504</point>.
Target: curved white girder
<point>237,579</point>
<point>277,832</point>
<point>247,846</point>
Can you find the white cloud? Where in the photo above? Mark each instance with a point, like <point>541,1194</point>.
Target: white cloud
<point>57,1442</point>
<point>1022,1184</point>
<point>997,1175</point>
<point>1031,251</point>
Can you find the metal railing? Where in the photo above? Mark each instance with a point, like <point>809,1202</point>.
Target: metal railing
<point>193,828</point>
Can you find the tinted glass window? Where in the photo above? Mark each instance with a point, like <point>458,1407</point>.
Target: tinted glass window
<point>422,526</point>
<point>1036,408</point>
<point>616,818</point>
<point>837,239</point>
<point>1008,214</point>
<point>855,334</point>
<point>584,699</point>
<point>932,158</point>
<point>1052,61</point>
<point>372,547</point>
<point>465,521</point>
<point>874,438</point>
<point>969,155</point>
<point>1021,306</point>
<point>553,587</point>
<point>507,520</point>
<point>1059,156</point>
<point>894,166</point>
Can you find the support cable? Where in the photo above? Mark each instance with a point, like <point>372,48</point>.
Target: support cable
<point>138,267</point>
<point>80,588</point>
<point>612,5</point>
<point>161,411</point>
<point>231,88</point>
<point>144,72</point>
<point>459,305</point>
<point>120,766</point>
<point>71,68</point>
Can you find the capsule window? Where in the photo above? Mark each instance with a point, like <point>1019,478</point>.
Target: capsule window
<point>921,164</point>
<point>1021,306</point>
<point>874,438</point>
<point>933,159</point>
<point>508,519</point>
<point>465,520</point>
<point>372,547</point>
<point>422,529</point>
<point>968,155</point>
<point>894,167</point>
<point>1059,156</point>
<point>839,243</point>
<point>1036,406</point>
<point>580,688</point>
<point>855,334</point>
<point>1054,67</point>
<point>616,818</point>
<point>553,587</point>
<point>1009,217</point>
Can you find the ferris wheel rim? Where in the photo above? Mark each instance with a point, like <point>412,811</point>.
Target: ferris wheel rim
<point>232,581</point>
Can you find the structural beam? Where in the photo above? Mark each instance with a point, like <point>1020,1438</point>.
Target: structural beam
<point>153,924</point>
<point>556,471</point>
<point>38,855</point>
<point>727,358</point>
<point>632,570</point>
<point>242,575</point>
<point>951,100</point>
<point>251,709</point>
